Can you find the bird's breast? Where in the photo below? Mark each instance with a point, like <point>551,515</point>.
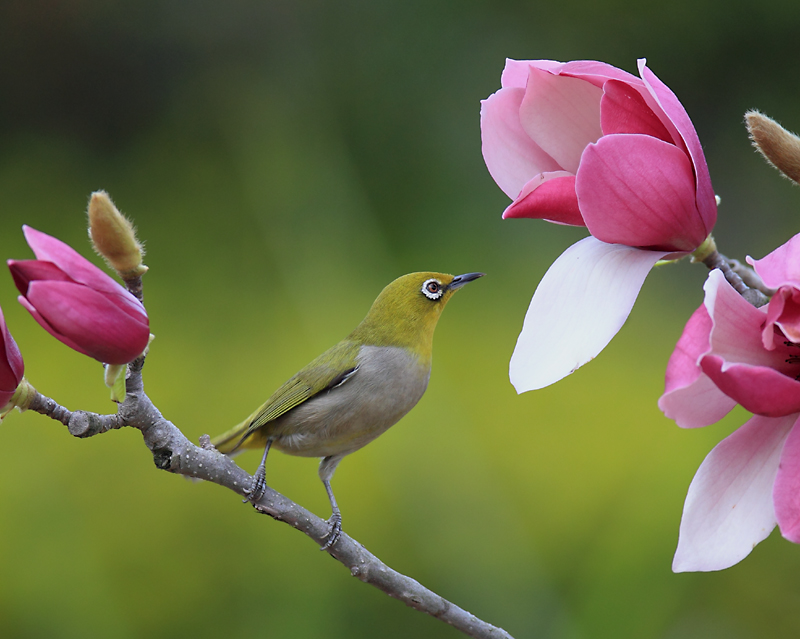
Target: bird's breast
<point>388,383</point>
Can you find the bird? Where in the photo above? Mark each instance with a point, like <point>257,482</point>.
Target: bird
<point>354,391</point>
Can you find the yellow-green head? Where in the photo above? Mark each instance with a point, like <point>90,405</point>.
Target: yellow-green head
<point>407,310</point>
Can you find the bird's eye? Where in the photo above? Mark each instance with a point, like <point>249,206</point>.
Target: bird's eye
<point>432,289</point>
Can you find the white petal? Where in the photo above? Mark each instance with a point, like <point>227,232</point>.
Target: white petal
<point>580,304</point>
<point>729,507</point>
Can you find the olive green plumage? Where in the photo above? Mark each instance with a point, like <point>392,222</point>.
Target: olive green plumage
<point>355,390</point>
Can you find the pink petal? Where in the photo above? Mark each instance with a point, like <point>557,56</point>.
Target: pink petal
<point>549,196</point>
<point>580,304</point>
<point>736,336</point>
<point>673,109</point>
<point>624,110</point>
<point>46,326</point>
<point>87,318</point>
<point>50,249</point>
<point>77,267</point>
<point>598,72</point>
<point>682,368</point>
<point>782,266</point>
<point>761,380</point>
<point>12,368</point>
<point>639,191</point>
<point>510,155</point>
<point>786,493</point>
<point>729,507</point>
<point>129,305</point>
<point>761,390</point>
<point>690,397</point>
<point>25,271</point>
<point>515,73</point>
<point>699,404</point>
<point>562,115</point>
<point>784,312</point>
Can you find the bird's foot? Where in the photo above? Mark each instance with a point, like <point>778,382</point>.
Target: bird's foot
<point>334,531</point>
<point>257,488</point>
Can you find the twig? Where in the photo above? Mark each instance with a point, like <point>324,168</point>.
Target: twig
<point>753,295</point>
<point>173,452</point>
<point>750,277</point>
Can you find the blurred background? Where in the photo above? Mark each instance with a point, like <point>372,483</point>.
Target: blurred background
<point>283,162</point>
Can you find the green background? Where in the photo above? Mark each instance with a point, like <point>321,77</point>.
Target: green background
<point>283,162</point>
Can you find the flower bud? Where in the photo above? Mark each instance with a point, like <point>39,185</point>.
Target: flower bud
<point>586,144</point>
<point>12,367</point>
<point>779,147</point>
<point>114,237</point>
<point>77,303</point>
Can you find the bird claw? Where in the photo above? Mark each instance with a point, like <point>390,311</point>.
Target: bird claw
<point>334,531</point>
<point>258,487</point>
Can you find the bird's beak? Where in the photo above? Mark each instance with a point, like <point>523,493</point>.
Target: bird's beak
<point>460,280</point>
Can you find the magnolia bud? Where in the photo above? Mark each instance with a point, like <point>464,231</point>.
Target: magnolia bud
<point>114,237</point>
<point>779,147</point>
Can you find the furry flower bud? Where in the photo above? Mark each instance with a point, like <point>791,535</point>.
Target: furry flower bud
<point>779,147</point>
<point>114,237</point>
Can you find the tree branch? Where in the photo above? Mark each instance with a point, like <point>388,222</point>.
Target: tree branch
<point>750,277</point>
<point>736,274</point>
<point>173,452</point>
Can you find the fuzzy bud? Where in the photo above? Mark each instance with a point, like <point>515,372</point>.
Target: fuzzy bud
<point>114,237</point>
<point>779,147</point>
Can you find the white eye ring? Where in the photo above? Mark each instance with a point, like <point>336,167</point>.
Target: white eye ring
<point>432,289</point>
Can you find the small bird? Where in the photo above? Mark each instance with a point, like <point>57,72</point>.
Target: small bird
<point>355,390</point>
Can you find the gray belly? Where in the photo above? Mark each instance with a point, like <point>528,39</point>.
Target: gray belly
<point>388,383</point>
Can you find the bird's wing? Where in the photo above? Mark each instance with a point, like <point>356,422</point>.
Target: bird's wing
<point>331,369</point>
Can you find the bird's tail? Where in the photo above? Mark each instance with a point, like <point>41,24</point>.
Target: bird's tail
<point>230,441</point>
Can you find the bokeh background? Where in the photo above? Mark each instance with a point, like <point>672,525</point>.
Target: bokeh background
<point>283,161</point>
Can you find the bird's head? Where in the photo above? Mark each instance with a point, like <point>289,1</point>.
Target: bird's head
<point>407,310</point>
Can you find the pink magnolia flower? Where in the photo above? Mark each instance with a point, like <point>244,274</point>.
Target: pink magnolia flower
<point>732,353</point>
<point>77,303</point>
<point>12,368</point>
<point>585,143</point>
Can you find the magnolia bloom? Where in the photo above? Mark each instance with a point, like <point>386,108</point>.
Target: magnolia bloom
<point>733,353</point>
<point>79,304</point>
<point>587,144</point>
<point>12,367</point>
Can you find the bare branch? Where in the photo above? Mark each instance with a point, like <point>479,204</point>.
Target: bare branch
<point>173,452</point>
<point>753,295</point>
<point>750,277</point>
<point>134,286</point>
<point>49,407</point>
<point>113,237</point>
